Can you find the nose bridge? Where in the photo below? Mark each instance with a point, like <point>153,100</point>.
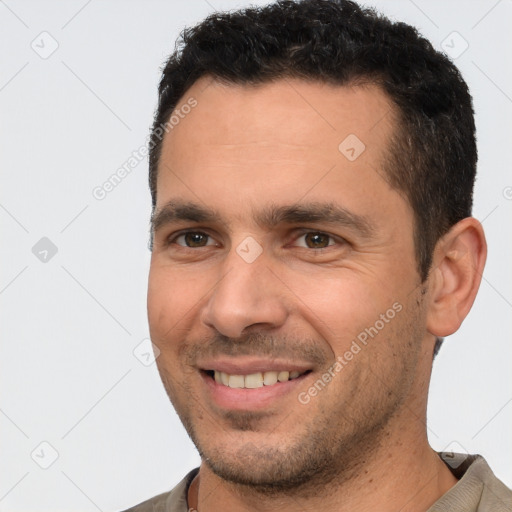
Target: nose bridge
<point>246,294</point>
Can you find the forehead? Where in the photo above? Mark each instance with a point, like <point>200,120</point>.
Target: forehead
<point>287,111</point>
<point>278,141</point>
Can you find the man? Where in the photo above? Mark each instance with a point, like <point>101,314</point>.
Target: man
<point>311,169</point>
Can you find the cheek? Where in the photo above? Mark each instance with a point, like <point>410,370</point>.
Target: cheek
<point>170,298</point>
<point>340,305</point>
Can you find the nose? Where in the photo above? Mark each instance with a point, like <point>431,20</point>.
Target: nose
<point>247,295</point>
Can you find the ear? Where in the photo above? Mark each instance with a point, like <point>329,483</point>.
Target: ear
<point>458,263</point>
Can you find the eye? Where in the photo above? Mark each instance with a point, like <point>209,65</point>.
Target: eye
<point>193,239</point>
<point>315,240</point>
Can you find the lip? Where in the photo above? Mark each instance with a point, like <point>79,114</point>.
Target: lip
<point>257,399</point>
<point>248,365</point>
<point>242,399</point>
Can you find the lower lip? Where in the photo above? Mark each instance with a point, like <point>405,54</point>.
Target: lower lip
<point>243,399</point>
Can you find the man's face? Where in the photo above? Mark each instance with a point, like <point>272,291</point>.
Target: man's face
<point>280,247</point>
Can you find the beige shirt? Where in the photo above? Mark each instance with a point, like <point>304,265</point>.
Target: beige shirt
<point>477,490</point>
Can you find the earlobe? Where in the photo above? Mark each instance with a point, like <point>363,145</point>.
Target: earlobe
<point>458,263</point>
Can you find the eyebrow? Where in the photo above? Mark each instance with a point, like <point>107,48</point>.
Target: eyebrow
<point>177,210</point>
<point>270,216</point>
<point>310,213</point>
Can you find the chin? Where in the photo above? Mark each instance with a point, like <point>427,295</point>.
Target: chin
<point>259,464</point>
<point>266,470</point>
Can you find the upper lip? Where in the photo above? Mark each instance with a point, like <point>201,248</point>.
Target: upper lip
<point>248,365</point>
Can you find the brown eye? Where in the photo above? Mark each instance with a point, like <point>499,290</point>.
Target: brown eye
<point>316,240</point>
<point>194,239</point>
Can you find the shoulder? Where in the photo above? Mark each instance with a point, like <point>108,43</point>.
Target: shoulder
<point>478,489</point>
<point>496,496</point>
<point>171,501</point>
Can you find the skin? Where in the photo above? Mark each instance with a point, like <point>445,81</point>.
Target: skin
<point>360,443</point>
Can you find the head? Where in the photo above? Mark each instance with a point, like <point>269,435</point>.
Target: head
<point>432,157</point>
<point>311,213</point>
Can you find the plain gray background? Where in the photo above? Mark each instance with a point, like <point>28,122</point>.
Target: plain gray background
<point>74,374</point>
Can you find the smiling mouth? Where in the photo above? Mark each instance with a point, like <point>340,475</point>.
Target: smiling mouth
<point>253,380</point>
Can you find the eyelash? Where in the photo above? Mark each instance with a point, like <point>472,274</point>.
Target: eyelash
<point>171,240</point>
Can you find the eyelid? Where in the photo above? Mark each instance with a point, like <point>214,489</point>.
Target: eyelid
<point>300,232</point>
<point>305,231</point>
<point>171,239</point>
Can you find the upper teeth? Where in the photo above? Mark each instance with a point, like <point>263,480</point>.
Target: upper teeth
<point>254,380</point>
